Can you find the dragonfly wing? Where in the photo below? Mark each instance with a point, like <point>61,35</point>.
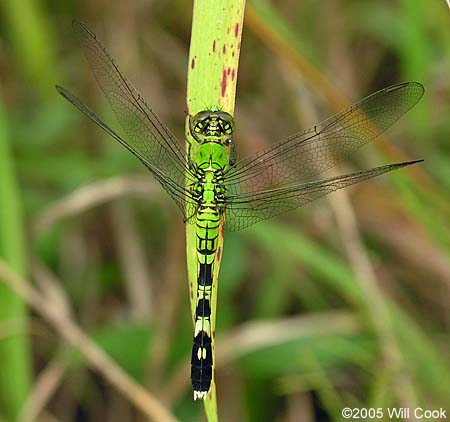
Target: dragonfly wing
<point>302,156</point>
<point>181,196</point>
<point>243,210</point>
<point>146,133</point>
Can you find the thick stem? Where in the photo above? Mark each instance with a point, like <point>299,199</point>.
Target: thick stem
<point>212,76</point>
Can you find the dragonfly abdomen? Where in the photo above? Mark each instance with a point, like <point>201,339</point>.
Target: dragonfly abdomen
<point>208,219</point>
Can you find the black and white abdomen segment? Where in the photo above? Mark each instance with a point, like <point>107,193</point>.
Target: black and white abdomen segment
<point>208,222</point>
<point>201,360</point>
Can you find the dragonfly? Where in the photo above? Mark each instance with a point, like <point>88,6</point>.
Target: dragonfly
<point>212,187</point>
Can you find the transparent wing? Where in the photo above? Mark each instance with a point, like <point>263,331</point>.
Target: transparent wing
<point>247,209</point>
<point>302,156</point>
<point>178,192</point>
<point>290,165</point>
<point>146,135</point>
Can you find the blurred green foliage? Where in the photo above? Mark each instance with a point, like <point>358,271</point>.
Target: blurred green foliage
<point>296,265</point>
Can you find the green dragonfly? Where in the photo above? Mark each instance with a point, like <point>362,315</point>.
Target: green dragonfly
<point>209,184</point>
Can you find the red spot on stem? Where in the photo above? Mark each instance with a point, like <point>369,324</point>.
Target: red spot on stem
<point>236,30</point>
<point>223,84</point>
<point>224,49</point>
<point>214,46</point>
<point>193,63</point>
<point>233,74</point>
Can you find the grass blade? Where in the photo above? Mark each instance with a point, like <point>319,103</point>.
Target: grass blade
<point>212,76</point>
<point>15,376</point>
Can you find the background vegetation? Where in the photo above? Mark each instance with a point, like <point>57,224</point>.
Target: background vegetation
<point>342,303</point>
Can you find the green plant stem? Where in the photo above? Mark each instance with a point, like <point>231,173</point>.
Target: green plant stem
<point>212,76</point>
<point>33,42</point>
<point>15,376</point>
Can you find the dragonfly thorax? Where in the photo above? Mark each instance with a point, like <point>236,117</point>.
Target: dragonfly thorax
<point>212,156</point>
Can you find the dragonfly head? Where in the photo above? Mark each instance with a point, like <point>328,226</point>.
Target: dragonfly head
<point>212,126</point>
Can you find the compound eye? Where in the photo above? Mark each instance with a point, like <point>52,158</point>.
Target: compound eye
<point>228,128</point>
<point>198,127</point>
